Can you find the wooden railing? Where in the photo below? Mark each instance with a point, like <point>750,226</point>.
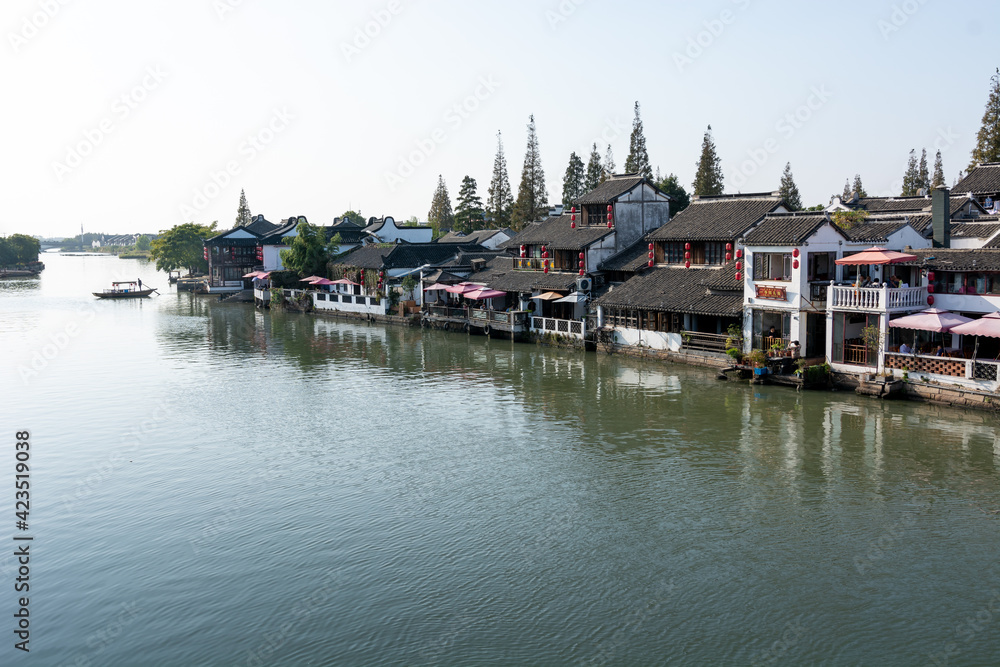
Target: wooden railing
<point>530,263</point>
<point>695,340</point>
<point>850,353</point>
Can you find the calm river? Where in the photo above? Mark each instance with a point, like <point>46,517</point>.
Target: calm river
<point>212,485</point>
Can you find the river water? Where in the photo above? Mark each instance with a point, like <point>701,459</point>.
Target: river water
<point>212,485</point>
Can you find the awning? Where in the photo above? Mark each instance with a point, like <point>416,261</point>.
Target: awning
<point>875,255</point>
<point>548,296</point>
<point>483,293</point>
<point>574,297</point>
<point>987,325</point>
<point>436,286</point>
<point>931,319</point>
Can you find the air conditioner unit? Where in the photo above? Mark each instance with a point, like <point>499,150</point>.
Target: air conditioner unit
<point>583,284</point>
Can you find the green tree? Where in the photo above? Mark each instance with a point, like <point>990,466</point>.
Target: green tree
<point>679,198</point>
<point>182,248</point>
<point>845,196</point>
<point>308,253</point>
<point>532,201</point>
<point>858,187</point>
<point>243,216</point>
<point>923,175</point>
<point>987,147</point>
<point>19,249</point>
<point>609,164</point>
<point>938,180</point>
<point>142,243</point>
<point>469,212</point>
<point>499,199</point>
<point>594,170</point>
<point>355,217</point>
<point>911,178</point>
<point>708,177</point>
<point>441,213</point>
<point>788,190</point>
<point>637,161</point>
<point>573,180</point>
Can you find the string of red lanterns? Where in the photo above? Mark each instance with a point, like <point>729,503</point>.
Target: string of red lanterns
<point>611,223</point>
<point>572,218</point>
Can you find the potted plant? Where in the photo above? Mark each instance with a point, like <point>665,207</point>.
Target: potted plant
<point>735,355</point>
<point>758,360</point>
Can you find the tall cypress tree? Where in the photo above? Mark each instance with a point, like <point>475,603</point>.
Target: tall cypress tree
<point>608,166</point>
<point>938,180</point>
<point>532,199</point>
<point>923,176</point>
<point>573,180</point>
<point>499,199</point>
<point>708,177</point>
<point>638,159</point>
<point>987,147</point>
<point>845,196</point>
<point>911,178</point>
<point>469,211</point>
<point>243,216</point>
<point>858,187</point>
<point>441,215</point>
<point>789,191</point>
<point>594,170</point>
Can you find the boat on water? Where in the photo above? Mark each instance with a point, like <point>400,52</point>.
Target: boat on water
<point>125,289</point>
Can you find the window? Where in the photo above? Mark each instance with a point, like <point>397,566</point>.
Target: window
<point>772,266</point>
<point>821,265</point>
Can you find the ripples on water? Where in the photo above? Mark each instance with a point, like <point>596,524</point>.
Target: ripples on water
<point>217,485</point>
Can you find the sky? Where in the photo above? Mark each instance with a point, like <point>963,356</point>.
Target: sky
<point>127,117</point>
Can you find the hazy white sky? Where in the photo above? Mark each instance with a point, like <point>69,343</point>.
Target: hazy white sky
<point>128,116</point>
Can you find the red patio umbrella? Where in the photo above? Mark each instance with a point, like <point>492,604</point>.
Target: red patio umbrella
<point>875,255</point>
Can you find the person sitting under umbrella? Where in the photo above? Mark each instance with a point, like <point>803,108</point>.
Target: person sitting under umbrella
<point>905,349</point>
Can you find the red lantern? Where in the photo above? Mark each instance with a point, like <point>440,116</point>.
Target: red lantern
<point>739,276</point>
<point>650,247</point>
<point>650,264</point>
<point>930,276</point>
<point>205,253</point>
<point>573,210</point>
<point>930,288</point>
<point>524,251</point>
<point>687,246</point>
<point>581,272</point>
<point>572,223</point>
<point>582,256</point>
<point>795,252</point>
<point>609,208</point>
<point>687,255</point>
<point>739,254</point>
<point>739,266</point>
<point>795,263</point>
<point>687,265</point>
<point>729,247</point>
<point>650,253</point>
<point>546,269</point>
<point>580,263</point>
<point>930,299</point>
<point>729,256</point>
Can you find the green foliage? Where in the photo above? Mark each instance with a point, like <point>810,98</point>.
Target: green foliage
<point>987,148</point>
<point>308,253</point>
<point>923,176</point>
<point>637,161</point>
<point>871,336</point>
<point>937,181</point>
<point>817,207</point>
<point>757,358</point>
<point>858,187</point>
<point>532,201</point>
<point>708,177</point>
<point>789,191</point>
<point>911,178</point>
<point>182,248</point>
<point>608,166</point>
<point>441,213</point>
<point>734,354</point>
<point>142,244</point>
<point>243,216</point>
<point>469,214</point>
<point>848,219</point>
<point>19,249</point>
<point>499,199</point>
<point>679,198</point>
<point>594,170</point>
<point>355,217</point>
<point>573,180</point>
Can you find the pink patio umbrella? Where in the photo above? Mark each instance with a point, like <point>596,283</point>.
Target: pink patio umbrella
<point>323,281</point>
<point>436,286</point>
<point>483,293</point>
<point>932,319</point>
<point>310,279</point>
<point>875,255</point>
<point>343,281</point>
<point>987,325</point>
<point>462,288</point>
<point>253,274</point>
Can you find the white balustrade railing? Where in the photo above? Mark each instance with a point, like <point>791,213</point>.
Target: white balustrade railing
<point>876,299</point>
<point>572,328</point>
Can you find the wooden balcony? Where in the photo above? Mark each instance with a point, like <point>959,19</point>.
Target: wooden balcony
<point>876,299</point>
<point>514,321</point>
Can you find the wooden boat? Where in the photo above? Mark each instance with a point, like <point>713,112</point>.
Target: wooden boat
<point>126,289</point>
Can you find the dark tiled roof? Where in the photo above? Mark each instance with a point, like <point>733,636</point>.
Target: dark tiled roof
<point>557,234</point>
<point>442,276</point>
<point>786,228</point>
<point>716,218</point>
<point>464,257</point>
<point>631,259</point>
<point>348,234</point>
<point>499,274</point>
<point>477,236</point>
<point>975,230</point>
<point>412,255</point>
<point>875,230</point>
<point>983,180</point>
<point>955,259</point>
<point>261,226</point>
<point>892,204</point>
<point>366,257</point>
<point>696,291</point>
<point>610,190</point>
<point>219,239</point>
